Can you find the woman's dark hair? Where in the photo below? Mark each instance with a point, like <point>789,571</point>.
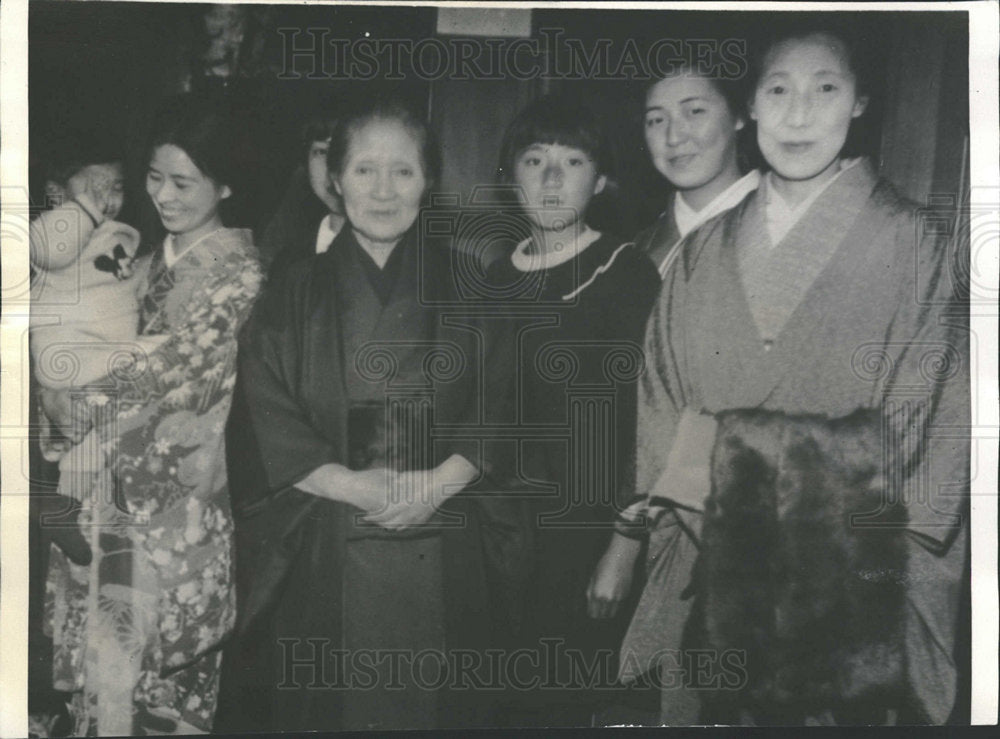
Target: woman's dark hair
<point>319,124</point>
<point>733,90</point>
<point>384,109</point>
<point>555,119</point>
<point>864,50</point>
<point>858,45</point>
<point>203,128</point>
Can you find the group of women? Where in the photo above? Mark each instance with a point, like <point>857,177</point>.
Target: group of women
<point>723,400</point>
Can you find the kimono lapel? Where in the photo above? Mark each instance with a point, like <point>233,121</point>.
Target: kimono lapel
<point>664,238</point>
<point>159,281</point>
<point>835,226</point>
<point>363,318</point>
<point>777,278</point>
<point>358,308</point>
<point>725,330</point>
<point>403,316</point>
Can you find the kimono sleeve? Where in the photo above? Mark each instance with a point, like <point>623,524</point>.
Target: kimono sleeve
<point>182,388</point>
<point>926,398</point>
<point>270,442</point>
<point>660,404</point>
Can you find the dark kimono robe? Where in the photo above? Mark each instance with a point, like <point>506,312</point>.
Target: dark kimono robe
<point>322,598</point>
<point>577,357</point>
<point>290,234</point>
<point>877,326</point>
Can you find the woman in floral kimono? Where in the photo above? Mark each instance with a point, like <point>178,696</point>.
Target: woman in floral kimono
<point>137,633</point>
<point>817,315</point>
<point>368,569</point>
<point>692,125</point>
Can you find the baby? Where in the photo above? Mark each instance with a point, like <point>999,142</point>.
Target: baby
<point>85,307</point>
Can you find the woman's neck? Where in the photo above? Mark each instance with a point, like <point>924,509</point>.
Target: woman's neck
<point>794,192</point>
<point>379,251</point>
<point>699,197</point>
<point>186,239</point>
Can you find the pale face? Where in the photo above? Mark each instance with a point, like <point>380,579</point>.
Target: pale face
<point>319,175</point>
<point>558,183</point>
<point>382,181</point>
<point>102,181</point>
<point>186,200</point>
<point>804,104</point>
<point>691,135</point>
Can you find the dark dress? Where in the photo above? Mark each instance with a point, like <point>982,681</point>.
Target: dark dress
<point>290,235</point>
<point>579,326</point>
<point>325,603</point>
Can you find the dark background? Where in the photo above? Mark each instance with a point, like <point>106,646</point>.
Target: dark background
<point>107,66</point>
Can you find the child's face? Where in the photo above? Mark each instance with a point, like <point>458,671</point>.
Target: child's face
<point>804,104</point>
<point>557,179</point>
<point>319,176</point>
<point>104,183</point>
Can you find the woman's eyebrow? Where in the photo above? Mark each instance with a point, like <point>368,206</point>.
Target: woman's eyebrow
<point>692,99</point>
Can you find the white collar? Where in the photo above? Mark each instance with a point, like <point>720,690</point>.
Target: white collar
<point>325,234</point>
<point>728,198</point>
<point>780,216</point>
<point>171,257</point>
<point>526,262</point>
<point>688,219</point>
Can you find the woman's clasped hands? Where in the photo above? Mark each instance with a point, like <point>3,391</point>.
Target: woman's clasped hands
<point>390,499</point>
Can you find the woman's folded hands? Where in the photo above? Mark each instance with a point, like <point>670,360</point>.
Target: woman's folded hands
<point>392,500</point>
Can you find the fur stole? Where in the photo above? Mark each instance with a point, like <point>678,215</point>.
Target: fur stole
<point>796,572</point>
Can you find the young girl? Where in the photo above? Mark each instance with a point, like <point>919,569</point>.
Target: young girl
<point>815,300</point>
<point>579,299</point>
<point>692,124</point>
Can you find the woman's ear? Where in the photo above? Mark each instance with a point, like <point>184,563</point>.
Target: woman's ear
<point>860,106</point>
<point>334,185</point>
<point>599,185</point>
<point>226,192</point>
<point>751,112</point>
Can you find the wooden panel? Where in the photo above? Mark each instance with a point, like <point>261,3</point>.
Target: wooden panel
<point>470,117</point>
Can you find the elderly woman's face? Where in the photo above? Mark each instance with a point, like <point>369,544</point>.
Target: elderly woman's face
<point>382,181</point>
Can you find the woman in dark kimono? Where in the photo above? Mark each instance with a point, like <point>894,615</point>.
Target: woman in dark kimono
<point>579,300</point>
<point>692,124</point>
<point>370,576</point>
<point>805,361</point>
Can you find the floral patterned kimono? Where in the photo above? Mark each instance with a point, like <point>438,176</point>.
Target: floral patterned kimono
<point>136,633</point>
